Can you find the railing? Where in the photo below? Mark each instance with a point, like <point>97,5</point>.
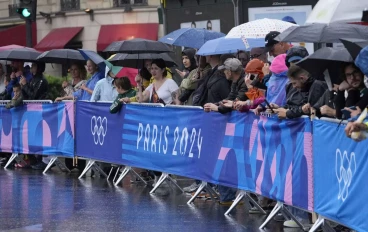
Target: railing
<point>70,5</point>
<point>123,3</point>
<point>13,10</point>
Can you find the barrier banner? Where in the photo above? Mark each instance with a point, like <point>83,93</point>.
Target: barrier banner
<point>268,156</point>
<point>36,128</point>
<point>341,170</point>
<point>177,141</point>
<point>98,133</point>
<point>260,154</point>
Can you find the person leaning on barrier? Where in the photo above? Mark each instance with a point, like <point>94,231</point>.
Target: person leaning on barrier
<point>233,70</point>
<point>86,89</point>
<point>125,90</point>
<point>360,129</point>
<point>303,92</point>
<point>17,99</point>
<point>38,87</point>
<point>78,74</point>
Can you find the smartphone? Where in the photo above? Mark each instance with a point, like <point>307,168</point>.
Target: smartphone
<point>269,106</point>
<point>347,113</point>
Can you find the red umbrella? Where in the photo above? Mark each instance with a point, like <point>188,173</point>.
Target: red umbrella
<point>130,73</point>
<point>10,47</point>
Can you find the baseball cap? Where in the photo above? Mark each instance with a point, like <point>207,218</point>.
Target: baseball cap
<point>231,64</point>
<point>288,19</point>
<point>270,39</point>
<point>295,53</point>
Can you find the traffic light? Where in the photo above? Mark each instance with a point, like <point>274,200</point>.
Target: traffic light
<point>27,9</point>
<point>24,12</point>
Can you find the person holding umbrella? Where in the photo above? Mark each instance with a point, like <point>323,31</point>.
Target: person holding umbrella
<point>86,90</point>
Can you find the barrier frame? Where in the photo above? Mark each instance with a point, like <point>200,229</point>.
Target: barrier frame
<point>280,206</point>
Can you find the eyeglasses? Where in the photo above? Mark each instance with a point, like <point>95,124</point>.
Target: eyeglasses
<point>255,56</point>
<point>352,75</point>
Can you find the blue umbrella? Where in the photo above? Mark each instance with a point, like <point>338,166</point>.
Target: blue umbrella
<point>229,45</point>
<point>96,58</point>
<point>190,37</point>
<point>91,55</point>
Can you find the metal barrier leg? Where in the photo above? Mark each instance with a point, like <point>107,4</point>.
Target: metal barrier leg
<point>327,227</point>
<point>238,198</point>
<point>137,175</point>
<point>58,163</point>
<point>165,177</point>
<point>116,173</point>
<point>11,159</point>
<point>174,182</point>
<point>108,176</point>
<point>98,169</point>
<point>159,182</point>
<point>212,192</point>
<point>199,190</point>
<point>122,175</point>
<point>52,161</point>
<point>273,213</point>
<point>62,166</point>
<point>287,212</point>
<point>281,207</point>
<point>88,166</point>
<point>320,221</point>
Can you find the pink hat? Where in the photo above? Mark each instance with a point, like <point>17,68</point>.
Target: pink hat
<point>278,64</point>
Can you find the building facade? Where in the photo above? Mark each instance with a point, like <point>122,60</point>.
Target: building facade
<point>221,15</point>
<point>87,24</point>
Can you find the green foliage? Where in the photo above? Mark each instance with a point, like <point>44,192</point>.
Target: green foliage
<point>55,89</point>
<point>55,85</point>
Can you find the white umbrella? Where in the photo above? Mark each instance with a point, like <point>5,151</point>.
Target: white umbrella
<point>258,29</point>
<point>330,11</point>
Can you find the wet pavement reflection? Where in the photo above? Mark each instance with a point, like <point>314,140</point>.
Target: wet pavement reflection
<point>31,201</point>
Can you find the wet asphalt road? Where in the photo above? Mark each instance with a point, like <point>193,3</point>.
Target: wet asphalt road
<point>31,201</point>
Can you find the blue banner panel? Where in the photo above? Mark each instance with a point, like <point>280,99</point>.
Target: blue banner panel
<point>268,156</point>
<point>340,170</point>
<point>45,129</point>
<point>98,133</point>
<point>259,154</point>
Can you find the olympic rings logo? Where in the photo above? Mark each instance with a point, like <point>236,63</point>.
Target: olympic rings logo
<point>345,170</point>
<point>98,129</point>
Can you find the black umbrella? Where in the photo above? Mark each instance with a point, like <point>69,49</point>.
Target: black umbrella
<point>24,54</point>
<point>327,58</point>
<point>137,60</point>
<point>354,46</point>
<point>138,46</point>
<point>61,56</point>
<point>323,33</point>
